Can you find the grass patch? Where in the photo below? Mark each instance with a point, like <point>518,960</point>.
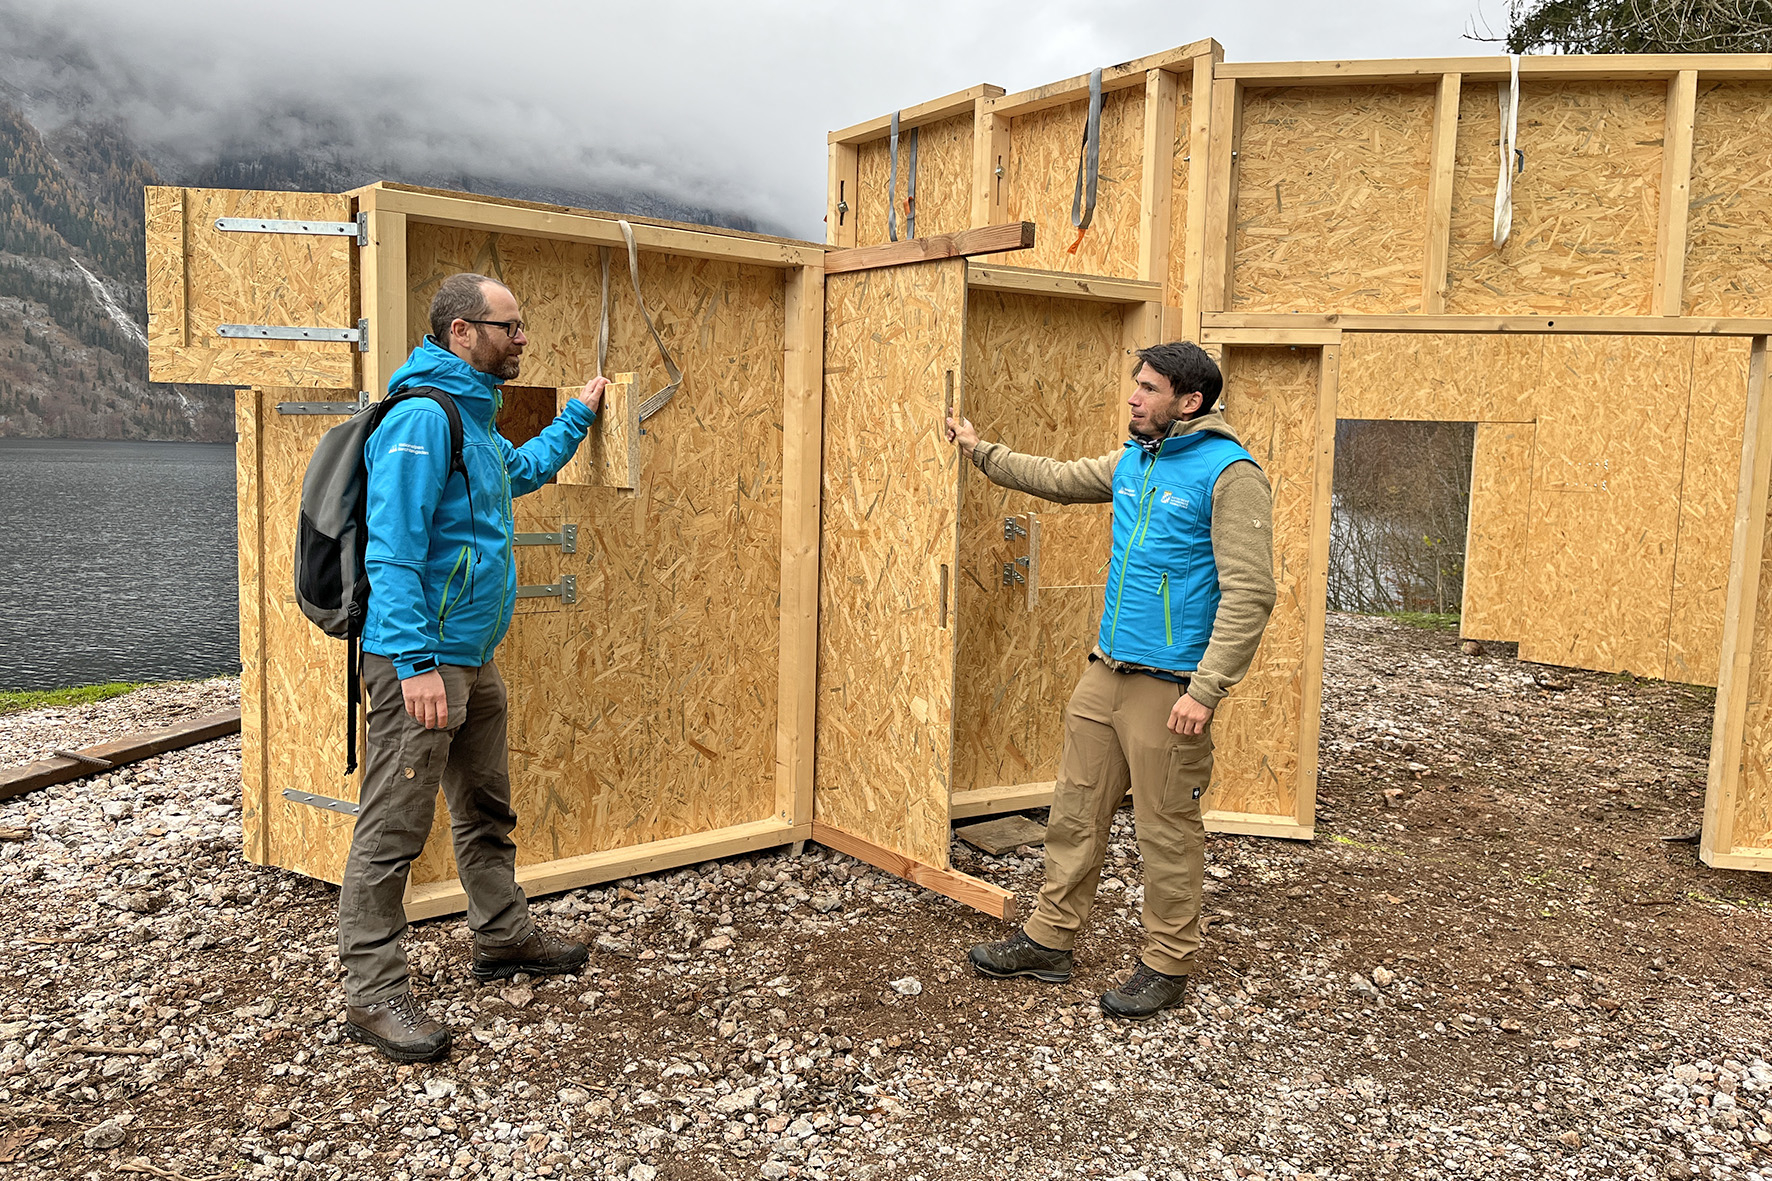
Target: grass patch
<point>11,701</point>
<point>1426,620</point>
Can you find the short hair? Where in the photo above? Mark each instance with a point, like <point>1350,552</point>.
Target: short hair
<point>1187,367</point>
<point>461,297</point>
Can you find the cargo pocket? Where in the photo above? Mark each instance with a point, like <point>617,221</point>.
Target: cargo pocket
<point>1190,771</point>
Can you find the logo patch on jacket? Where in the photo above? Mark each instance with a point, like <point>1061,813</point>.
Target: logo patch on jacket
<point>1174,498</point>
<point>407,448</point>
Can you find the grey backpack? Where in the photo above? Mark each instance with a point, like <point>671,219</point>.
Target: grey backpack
<point>330,583</point>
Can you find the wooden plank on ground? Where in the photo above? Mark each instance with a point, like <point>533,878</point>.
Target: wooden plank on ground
<point>984,240</point>
<point>16,781</point>
<point>982,896</point>
<point>1003,835</point>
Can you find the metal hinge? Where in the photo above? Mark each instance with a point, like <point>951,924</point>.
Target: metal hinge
<point>357,230</point>
<point>566,539</point>
<point>1011,575</point>
<point>319,407</point>
<point>566,590</point>
<point>327,802</point>
<point>358,335</point>
<point>1012,529</point>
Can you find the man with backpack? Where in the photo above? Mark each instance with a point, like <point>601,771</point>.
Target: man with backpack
<point>442,583</point>
<point>1190,586</point>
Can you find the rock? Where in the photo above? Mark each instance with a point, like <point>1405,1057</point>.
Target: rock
<point>611,944</point>
<point>276,1120</point>
<point>1362,986</point>
<point>1383,976</point>
<point>772,1171</point>
<point>440,1088</point>
<point>825,903</point>
<point>106,1135</point>
<point>908,986</point>
<point>717,943</point>
<point>517,996</point>
<point>1686,1073</point>
<point>574,1096</point>
<point>642,1172</point>
<point>1471,648</point>
<point>745,1100</point>
<point>318,1151</point>
<point>1571,1138</point>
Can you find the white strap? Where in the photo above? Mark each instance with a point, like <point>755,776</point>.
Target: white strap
<point>1509,94</point>
<point>657,401</point>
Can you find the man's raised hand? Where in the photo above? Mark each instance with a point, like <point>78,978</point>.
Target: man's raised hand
<point>592,394</point>
<point>962,433</point>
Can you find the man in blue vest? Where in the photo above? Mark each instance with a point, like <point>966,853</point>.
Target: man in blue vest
<point>442,585</point>
<point>1189,590</point>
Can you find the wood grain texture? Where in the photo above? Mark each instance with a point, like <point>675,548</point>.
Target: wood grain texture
<point>1331,199</point>
<point>249,550</point>
<point>1450,378</point>
<point>165,255</point>
<point>1495,599</point>
<point>1585,208</point>
<point>1045,377</point>
<point>982,896</point>
<point>1043,179</point>
<point>890,499</point>
<point>1010,236</point>
<point>1728,270</point>
<point>610,455</point>
<point>1605,502</point>
<point>944,175</point>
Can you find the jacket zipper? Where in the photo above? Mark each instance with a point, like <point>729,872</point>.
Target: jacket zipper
<point>443,605</point>
<point>1120,591</point>
<point>505,582</point>
<point>1168,628</point>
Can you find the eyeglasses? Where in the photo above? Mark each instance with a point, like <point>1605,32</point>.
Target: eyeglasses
<point>511,327</point>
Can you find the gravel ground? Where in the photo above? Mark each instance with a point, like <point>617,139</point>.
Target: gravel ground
<point>1488,964</point>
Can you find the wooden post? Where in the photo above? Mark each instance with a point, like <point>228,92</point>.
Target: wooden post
<point>1439,196</point>
<point>1676,194</point>
<point>990,165</point>
<point>1740,620</point>
<point>802,458</point>
<point>1310,714</point>
<point>249,495</point>
<point>840,199</point>
<point>1161,92</point>
<point>1199,193</point>
<point>383,294</point>
<point>1221,201</point>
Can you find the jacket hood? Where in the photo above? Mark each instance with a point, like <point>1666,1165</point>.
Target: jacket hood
<point>1211,422</point>
<point>433,365</point>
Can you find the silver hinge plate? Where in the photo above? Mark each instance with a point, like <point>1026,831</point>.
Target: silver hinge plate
<point>314,801</point>
<point>319,407</point>
<point>566,590</point>
<point>1012,529</point>
<point>1011,575</point>
<point>566,539</point>
<point>358,229</point>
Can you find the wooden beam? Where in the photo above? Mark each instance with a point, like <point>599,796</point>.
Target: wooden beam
<point>1255,824</point>
<point>1017,235</point>
<point>1295,337</point>
<point>1596,67</point>
<point>249,548</point>
<point>1740,618</point>
<point>1120,77</point>
<point>550,877</point>
<point>382,293</point>
<point>496,217</point>
<point>933,111</point>
<point>802,458</point>
<point>982,896</point>
<point>1540,325</point>
<point>1199,195</point>
<point>1676,193</point>
<point>1316,598</point>
<point>16,781</point>
<point>841,201</point>
<point>1439,196</point>
<point>988,801</point>
<point>990,167</point>
<point>1221,212</point>
<point>1091,287</point>
<point>1161,93</point>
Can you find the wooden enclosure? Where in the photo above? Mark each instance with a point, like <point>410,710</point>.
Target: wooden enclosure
<point>1610,350</point>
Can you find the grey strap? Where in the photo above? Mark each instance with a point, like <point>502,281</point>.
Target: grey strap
<point>1089,159</point>
<point>910,192</point>
<point>892,181</point>
<point>656,402</point>
<point>603,331</point>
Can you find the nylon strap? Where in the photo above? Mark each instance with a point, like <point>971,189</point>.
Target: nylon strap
<point>1509,94</point>
<point>1088,163</point>
<point>656,402</point>
<point>910,192</point>
<point>892,181</point>
<point>603,330</point>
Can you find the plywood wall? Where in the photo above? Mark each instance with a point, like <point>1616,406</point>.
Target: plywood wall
<point>1495,592</point>
<point>1585,206</point>
<point>1043,179</point>
<point>885,714</point>
<point>1271,402</point>
<point>1728,269</point>
<point>1044,377</point>
<point>944,181</point>
<point>1331,199</point>
<point>1181,164</point>
<point>1439,378</point>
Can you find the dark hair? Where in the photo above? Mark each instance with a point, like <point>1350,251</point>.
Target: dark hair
<point>1187,367</point>
<point>461,297</point>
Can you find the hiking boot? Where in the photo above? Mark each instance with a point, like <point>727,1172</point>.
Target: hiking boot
<point>1020,956</point>
<point>538,955</point>
<point>398,1028</point>
<point>1146,994</point>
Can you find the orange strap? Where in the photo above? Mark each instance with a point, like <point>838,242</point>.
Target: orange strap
<point>1081,230</point>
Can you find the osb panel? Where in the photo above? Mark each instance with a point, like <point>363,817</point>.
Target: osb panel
<point>944,182</point>
<point>1714,427</point>
<point>1181,162</point>
<point>610,456</point>
<point>289,280</point>
<point>165,255</point>
<point>1043,181</point>
<point>1043,376</point>
<point>249,551</point>
<point>891,491</point>
<point>1728,270</point>
<point>1495,543</point>
<point>1456,377</point>
<point>1585,208</point>
<point>1605,502</point>
<point>1753,799</point>
<point>1271,402</point>
<point>1331,201</point>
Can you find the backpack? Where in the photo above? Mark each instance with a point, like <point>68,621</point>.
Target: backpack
<point>330,583</point>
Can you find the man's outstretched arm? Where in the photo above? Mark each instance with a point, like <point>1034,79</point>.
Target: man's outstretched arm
<point>1073,481</point>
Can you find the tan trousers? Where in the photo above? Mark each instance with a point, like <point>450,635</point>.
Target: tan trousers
<point>1116,735</point>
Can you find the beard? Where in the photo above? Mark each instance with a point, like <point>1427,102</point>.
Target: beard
<point>500,362</point>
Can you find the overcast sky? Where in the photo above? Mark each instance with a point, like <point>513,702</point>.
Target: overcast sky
<point>717,104</point>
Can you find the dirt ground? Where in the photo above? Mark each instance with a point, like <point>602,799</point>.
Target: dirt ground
<point>1491,962</point>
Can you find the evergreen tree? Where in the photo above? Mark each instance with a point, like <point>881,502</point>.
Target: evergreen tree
<point>1639,26</point>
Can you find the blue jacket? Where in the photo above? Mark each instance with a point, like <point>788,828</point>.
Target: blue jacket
<point>442,581</point>
<point>1162,589</point>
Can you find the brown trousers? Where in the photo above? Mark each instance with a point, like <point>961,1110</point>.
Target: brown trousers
<point>1116,735</point>
<point>404,766</point>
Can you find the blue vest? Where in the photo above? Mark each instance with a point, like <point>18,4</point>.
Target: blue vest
<point>1162,587</point>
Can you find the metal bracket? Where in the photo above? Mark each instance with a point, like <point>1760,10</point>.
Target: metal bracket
<point>358,335</point>
<point>1011,575</point>
<point>319,407</point>
<point>566,590</point>
<point>1012,529</point>
<point>327,802</point>
<point>357,229</point>
<point>566,539</point>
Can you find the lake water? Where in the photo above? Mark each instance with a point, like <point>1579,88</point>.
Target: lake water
<point>117,562</point>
